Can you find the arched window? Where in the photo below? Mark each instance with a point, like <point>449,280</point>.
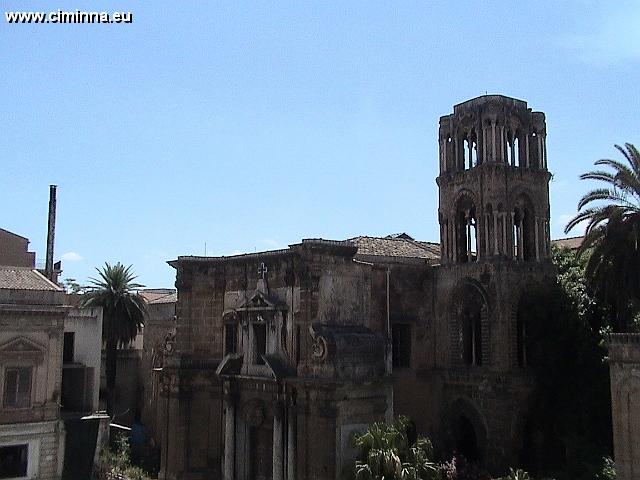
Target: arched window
<point>531,305</point>
<point>524,236</point>
<point>534,150</point>
<point>471,312</point>
<point>466,231</point>
<point>470,150</point>
<point>471,336</point>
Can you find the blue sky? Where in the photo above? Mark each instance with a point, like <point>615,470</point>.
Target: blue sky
<point>251,125</point>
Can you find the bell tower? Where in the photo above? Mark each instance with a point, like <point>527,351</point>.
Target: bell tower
<point>495,247</point>
<point>493,182</point>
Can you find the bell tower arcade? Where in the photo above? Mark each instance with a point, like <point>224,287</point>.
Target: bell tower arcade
<point>493,182</point>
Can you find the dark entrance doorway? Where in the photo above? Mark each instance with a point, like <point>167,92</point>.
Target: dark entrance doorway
<point>466,440</point>
<point>261,457</point>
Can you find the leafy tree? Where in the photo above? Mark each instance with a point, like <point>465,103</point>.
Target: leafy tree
<point>569,428</point>
<point>123,315</point>
<point>72,286</point>
<point>394,452</point>
<point>612,235</point>
<point>116,463</point>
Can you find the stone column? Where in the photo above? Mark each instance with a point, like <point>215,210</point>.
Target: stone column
<point>175,396</point>
<point>468,231</point>
<point>277,442</point>
<point>520,236</point>
<point>493,140</point>
<point>513,151</point>
<point>484,144</point>
<point>291,442</point>
<point>527,151</point>
<point>443,242</point>
<point>487,249</point>
<point>456,157</point>
<point>229,437</point>
<point>454,229</point>
<point>445,146</point>
<point>495,233</point>
<point>539,145</point>
<point>537,239</point>
<point>624,368</point>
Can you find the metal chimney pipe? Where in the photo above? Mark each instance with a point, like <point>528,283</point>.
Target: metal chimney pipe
<point>51,233</point>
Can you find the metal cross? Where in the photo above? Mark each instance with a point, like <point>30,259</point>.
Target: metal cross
<point>262,270</point>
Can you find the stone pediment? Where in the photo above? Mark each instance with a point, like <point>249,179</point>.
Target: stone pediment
<point>262,301</point>
<point>278,367</point>
<point>22,347</point>
<point>275,366</point>
<point>230,365</point>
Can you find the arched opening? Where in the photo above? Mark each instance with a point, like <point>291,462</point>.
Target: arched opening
<point>471,330</point>
<point>524,234</point>
<point>467,432</point>
<point>470,151</point>
<point>449,154</point>
<point>534,150</point>
<point>466,231</point>
<point>512,149</point>
<point>471,337</point>
<point>466,440</point>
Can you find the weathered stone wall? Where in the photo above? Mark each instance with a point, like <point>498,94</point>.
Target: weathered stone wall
<point>31,335</point>
<point>624,364</point>
<point>329,302</point>
<point>159,324</point>
<point>45,442</point>
<point>33,338</point>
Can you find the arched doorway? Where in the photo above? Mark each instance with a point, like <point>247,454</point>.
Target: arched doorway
<point>467,431</point>
<point>466,440</point>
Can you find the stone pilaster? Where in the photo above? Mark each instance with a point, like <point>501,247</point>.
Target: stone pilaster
<point>624,368</point>
<point>278,449</point>
<point>229,436</point>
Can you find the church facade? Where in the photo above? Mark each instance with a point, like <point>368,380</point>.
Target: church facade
<point>279,357</point>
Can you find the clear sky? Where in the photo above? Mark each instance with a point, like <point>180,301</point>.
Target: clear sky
<point>252,125</point>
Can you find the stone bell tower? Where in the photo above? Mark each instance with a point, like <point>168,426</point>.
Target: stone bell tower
<point>495,245</point>
<point>494,182</point>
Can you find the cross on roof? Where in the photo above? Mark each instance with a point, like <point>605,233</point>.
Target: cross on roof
<point>262,270</point>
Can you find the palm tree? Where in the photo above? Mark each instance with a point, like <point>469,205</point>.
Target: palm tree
<point>612,235</point>
<point>123,315</point>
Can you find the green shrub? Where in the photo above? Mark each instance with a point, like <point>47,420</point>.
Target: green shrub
<point>116,464</point>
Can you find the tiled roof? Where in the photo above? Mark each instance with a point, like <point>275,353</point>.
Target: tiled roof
<point>168,298</point>
<point>24,278</point>
<point>398,246</point>
<point>572,243</point>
